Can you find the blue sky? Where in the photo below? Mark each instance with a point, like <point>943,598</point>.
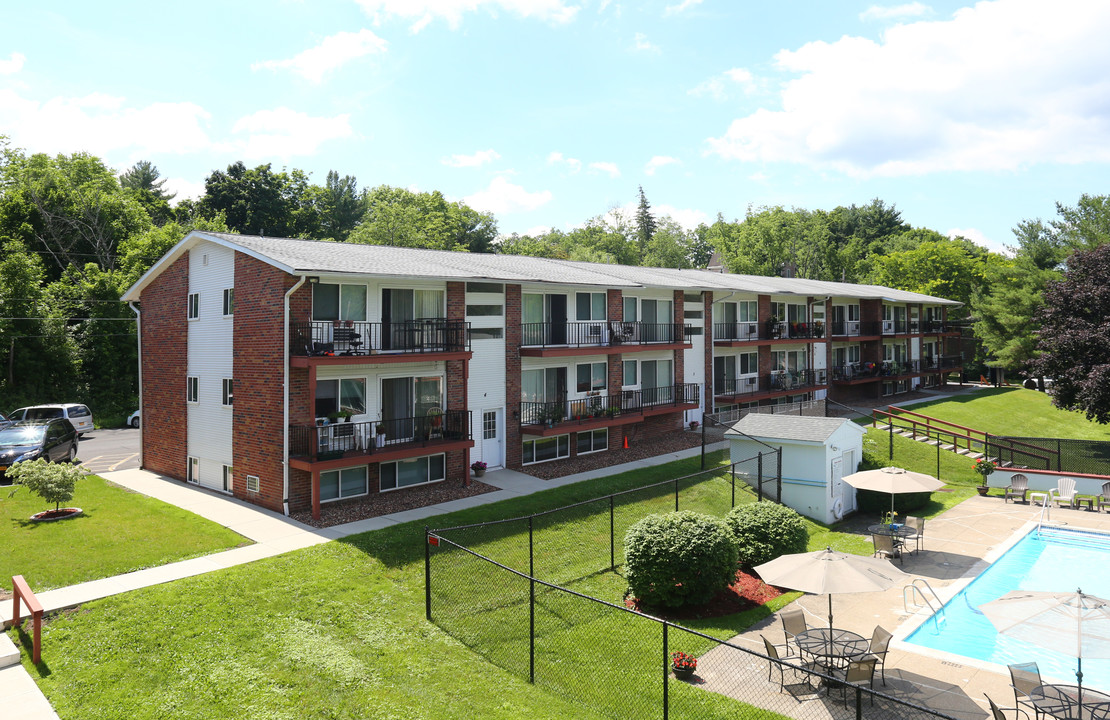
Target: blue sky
<point>968,116</point>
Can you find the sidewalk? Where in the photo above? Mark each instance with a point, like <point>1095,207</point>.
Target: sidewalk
<point>272,533</point>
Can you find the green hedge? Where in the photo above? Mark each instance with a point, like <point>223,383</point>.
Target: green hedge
<point>765,530</point>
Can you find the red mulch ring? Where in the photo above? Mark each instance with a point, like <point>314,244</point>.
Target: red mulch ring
<point>747,592</point>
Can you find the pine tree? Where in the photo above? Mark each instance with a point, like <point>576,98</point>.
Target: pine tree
<point>645,224</point>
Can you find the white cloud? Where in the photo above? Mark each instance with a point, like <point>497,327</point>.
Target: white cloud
<point>717,87</point>
<point>422,12</point>
<point>13,64</point>
<point>479,158</point>
<point>331,54</point>
<point>878,12</point>
<point>184,189</point>
<point>977,237</point>
<point>681,7</point>
<point>606,167</point>
<point>103,124</point>
<point>284,133</point>
<point>642,44</point>
<point>685,217</point>
<point>502,197</point>
<point>659,161</point>
<point>999,86</point>
<point>573,164</point>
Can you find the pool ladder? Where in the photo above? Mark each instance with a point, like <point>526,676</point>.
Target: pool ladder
<point>914,591</point>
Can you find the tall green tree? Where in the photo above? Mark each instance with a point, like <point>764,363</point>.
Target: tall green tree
<point>645,224</point>
<point>403,218</point>
<point>144,180</point>
<point>341,206</point>
<point>259,201</point>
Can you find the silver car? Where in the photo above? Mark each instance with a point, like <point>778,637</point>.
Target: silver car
<point>78,415</point>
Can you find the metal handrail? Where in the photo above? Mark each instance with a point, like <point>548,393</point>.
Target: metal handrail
<point>350,337</point>
<point>916,591</point>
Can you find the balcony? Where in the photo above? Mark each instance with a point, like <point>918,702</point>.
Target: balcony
<point>323,447</point>
<point>938,327</point>
<point>346,342</point>
<point>740,333</point>
<point>631,406</point>
<point>746,389</point>
<point>600,338</point>
<point>858,328</point>
<point>942,363</point>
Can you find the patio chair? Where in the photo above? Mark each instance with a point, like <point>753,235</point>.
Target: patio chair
<point>1019,487</point>
<point>775,661</point>
<point>918,524</point>
<point>1063,492</point>
<point>857,673</point>
<point>996,712</point>
<point>1104,496</point>
<point>884,547</point>
<point>793,623</point>
<point>880,643</point>
<point>1024,677</point>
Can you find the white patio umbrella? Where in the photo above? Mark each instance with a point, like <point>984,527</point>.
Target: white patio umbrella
<point>1074,624</point>
<point>831,572</point>
<point>893,480</point>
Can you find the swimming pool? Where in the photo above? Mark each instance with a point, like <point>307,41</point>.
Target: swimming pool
<point>1050,559</point>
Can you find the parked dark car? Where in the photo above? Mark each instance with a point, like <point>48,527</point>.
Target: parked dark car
<point>55,440</point>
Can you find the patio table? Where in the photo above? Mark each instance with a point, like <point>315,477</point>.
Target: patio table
<point>901,533</point>
<point>1061,701</point>
<point>831,647</point>
<point>1090,500</point>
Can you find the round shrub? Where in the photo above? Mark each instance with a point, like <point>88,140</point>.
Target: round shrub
<point>765,530</point>
<point>680,558</point>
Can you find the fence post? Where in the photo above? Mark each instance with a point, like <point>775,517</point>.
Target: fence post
<point>1058,454</point>
<point>666,671</point>
<point>612,538</point>
<point>733,469</point>
<point>778,475</point>
<point>676,494</point>
<point>531,608</point>
<point>759,476</point>
<point>859,703</point>
<point>427,575</point>
<point>704,422</point>
<point>890,428</point>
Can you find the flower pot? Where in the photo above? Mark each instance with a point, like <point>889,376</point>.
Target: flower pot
<point>683,673</point>
<point>480,472</point>
<point>982,489</point>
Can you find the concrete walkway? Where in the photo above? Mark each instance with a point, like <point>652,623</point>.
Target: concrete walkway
<point>272,533</point>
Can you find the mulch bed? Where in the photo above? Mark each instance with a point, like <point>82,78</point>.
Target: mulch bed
<point>747,592</point>
<point>638,450</point>
<point>391,502</point>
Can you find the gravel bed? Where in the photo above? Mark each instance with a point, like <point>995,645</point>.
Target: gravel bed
<point>643,448</point>
<point>391,502</point>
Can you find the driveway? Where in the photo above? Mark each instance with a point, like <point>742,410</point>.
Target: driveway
<point>108,450</point>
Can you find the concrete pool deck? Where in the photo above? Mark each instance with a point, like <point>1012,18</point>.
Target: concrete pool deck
<point>958,546</point>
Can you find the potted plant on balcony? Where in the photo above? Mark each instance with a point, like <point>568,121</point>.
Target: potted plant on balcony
<point>435,416</point>
<point>380,435</point>
<point>339,416</point>
<point>774,327</point>
<point>818,329</point>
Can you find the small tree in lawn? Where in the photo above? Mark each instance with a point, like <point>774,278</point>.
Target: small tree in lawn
<point>53,482</point>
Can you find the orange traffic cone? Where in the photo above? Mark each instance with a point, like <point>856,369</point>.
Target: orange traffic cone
<point>625,442</point>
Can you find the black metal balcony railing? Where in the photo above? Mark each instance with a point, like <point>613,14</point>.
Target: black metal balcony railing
<point>771,382</point>
<point>857,371</point>
<point>628,402</point>
<point>347,337</point>
<point>337,439</point>
<point>855,328</point>
<point>601,333</point>
<point>942,362</point>
<point>767,330</point>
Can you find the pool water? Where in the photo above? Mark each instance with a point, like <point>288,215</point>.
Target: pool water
<point>1049,559</point>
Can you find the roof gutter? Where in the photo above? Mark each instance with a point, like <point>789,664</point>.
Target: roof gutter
<point>285,402</point>
<point>139,338</point>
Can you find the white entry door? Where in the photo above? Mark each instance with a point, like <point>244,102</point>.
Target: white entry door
<point>493,434</point>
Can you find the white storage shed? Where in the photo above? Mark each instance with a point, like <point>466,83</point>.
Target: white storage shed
<point>817,452</point>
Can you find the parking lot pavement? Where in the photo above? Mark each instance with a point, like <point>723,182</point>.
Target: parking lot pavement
<point>109,450</point>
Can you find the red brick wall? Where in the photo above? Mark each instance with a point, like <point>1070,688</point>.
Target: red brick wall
<point>165,336</point>
<point>680,320</point>
<point>258,348</point>
<point>707,314</point>
<point>302,410</point>
<point>512,376</point>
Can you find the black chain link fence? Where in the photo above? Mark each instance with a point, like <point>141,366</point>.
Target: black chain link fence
<point>1088,457</point>
<point>484,587</point>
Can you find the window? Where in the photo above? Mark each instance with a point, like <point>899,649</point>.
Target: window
<point>229,301</point>
<point>543,385</point>
<point>344,483</point>
<point>691,297</point>
<point>252,483</point>
<point>724,372</point>
<point>788,360</point>
<point>194,470</point>
<point>227,478</point>
<point>853,313</point>
<point>593,441</point>
<point>348,394</point>
<point>484,310</point>
<point>591,376</point>
<point>417,471</point>
<point>486,333</point>
<point>489,425</point>
<point>192,389</point>
<point>631,377</point>
<point>692,314</point>
<point>590,306</point>
<point>229,393</point>
<point>338,302</point>
<point>656,381</point>
<point>546,449</point>
<point>481,287</point>
<point>406,402</point>
<point>748,363</point>
<point>194,306</point>
<point>630,314</point>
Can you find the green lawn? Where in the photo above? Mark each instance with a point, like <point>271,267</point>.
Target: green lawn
<point>118,532</point>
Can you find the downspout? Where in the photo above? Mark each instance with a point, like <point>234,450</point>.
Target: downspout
<point>285,405</point>
<point>139,338</point>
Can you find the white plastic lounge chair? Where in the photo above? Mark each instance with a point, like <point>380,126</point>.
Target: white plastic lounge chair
<point>1064,492</point>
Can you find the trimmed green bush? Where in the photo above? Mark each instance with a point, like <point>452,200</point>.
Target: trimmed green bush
<point>680,558</point>
<point>765,530</point>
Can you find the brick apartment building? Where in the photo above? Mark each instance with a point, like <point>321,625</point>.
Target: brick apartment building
<point>292,373</point>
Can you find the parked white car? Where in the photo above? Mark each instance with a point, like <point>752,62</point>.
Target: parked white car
<point>133,419</point>
<point>78,415</point>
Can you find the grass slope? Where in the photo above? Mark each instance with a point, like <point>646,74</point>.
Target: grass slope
<point>118,532</point>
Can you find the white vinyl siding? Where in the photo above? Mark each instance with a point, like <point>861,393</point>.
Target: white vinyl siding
<point>486,384</point>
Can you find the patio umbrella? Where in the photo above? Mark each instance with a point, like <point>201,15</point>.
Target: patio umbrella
<point>1074,624</point>
<point>893,480</point>
<point>831,572</point>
